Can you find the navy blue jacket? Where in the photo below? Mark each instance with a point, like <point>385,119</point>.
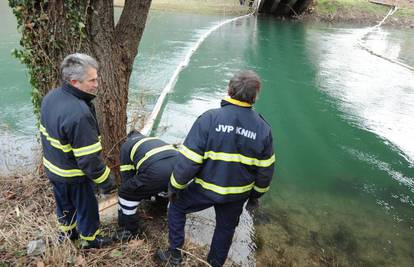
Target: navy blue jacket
<point>227,155</point>
<point>70,137</point>
<point>139,152</point>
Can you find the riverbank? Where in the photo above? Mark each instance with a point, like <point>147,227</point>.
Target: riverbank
<point>208,7</point>
<point>27,214</point>
<point>332,11</point>
<point>361,12</point>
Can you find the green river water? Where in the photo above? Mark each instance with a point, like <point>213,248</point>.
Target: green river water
<point>342,120</point>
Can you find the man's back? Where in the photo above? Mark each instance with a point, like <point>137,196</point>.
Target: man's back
<point>233,146</point>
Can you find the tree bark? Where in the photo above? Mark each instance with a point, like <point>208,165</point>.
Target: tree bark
<point>115,48</point>
<point>54,29</point>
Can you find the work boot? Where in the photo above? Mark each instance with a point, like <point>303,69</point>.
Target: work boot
<point>169,257</point>
<point>123,234</point>
<point>99,242</point>
<point>129,223</point>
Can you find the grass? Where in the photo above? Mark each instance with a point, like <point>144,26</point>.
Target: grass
<point>209,7</point>
<point>355,9</point>
<point>27,213</point>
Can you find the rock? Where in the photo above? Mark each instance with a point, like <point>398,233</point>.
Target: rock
<point>36,247</point>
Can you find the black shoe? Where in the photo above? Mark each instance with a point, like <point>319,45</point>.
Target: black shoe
<point>169,257</point>
<point>99,242</point>
<point>124,235</point>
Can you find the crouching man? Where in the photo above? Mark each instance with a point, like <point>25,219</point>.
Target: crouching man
<point>146,167</point>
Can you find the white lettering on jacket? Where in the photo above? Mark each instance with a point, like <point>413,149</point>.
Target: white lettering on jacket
<point>239,130</point>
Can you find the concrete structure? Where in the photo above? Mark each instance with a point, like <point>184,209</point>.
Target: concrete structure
<point>283,7</point>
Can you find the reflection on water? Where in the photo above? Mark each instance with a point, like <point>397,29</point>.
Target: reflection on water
<point>340,116</point>
<point>374,94</point>
<point>342,121</point>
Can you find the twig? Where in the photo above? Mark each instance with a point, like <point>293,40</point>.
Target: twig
<point>194,256</point>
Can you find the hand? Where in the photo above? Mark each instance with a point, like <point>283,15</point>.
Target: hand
<point>252,204</point>
<point>108,186</point>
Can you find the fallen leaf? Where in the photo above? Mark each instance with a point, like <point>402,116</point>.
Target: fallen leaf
<point>9,195</point>
<point>80,261</point>
<point>116,253</point>
<point>40,264</point>
<point>133,244</point>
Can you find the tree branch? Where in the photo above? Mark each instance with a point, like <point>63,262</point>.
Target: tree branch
<point>130,27</point>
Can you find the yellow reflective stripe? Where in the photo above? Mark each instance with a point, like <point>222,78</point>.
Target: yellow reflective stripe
<point>231,157</point>
<point>61,172</point>
<point>103,177</point>
<point>153,152</point>
<point>175,183</point>
<point>237,102</point>
<point>54,142</point>
<point>191,155</point>
<point>224,190</point>
<point>125,168</point>
<point>261,189</point>
<point>86,150</point>
<point>66,228</point>
<point>137,144</point>
<point>91,237</point>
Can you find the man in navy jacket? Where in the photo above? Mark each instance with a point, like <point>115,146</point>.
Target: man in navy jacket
<point>226,159</point>
<point>146,167</point>
<point>72,147</point>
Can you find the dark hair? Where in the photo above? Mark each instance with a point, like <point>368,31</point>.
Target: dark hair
<point>133,132</point>
<point>244,86</point>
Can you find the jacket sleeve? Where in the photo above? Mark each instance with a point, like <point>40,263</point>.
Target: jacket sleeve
<point>86,145</point>
<point>265,171</point>
<point>127,167</point>
<point>191,156</point>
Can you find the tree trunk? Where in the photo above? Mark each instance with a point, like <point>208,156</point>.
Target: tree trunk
<point>53,29</point>
<point>115,48</point>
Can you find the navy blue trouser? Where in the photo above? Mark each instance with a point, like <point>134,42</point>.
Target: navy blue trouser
<point>77,207</point>
<point>227,219</point>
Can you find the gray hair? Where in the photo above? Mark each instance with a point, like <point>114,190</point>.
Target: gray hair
<point>244,86</point>
<point>74,66</point>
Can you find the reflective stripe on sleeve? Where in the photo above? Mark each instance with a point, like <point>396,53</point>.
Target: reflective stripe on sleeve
<point>152,152</point>
<point>261,189</point>
<point>125,168</point>
<point>86,150</point>
<point>62,172</point>
<point>175,183</point>
<point>191,155</point>
<point>224,190</point>
<point>232,157</point>
<point>67,228</point>
<point>54,142</point>
<point>91,237</point>
<point>103,177</point>
<point>137,144</point>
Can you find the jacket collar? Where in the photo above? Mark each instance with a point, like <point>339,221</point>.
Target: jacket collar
<point>76,92</point>
<point>228,100</point>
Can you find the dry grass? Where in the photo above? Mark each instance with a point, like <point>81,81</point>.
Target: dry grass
<point>27,213</point>
<point>217,7</point>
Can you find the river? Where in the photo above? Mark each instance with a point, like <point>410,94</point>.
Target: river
<point>343,191</point>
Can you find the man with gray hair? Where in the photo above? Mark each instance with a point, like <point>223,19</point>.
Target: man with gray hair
<point>71,150</point>
<point>226,159</point>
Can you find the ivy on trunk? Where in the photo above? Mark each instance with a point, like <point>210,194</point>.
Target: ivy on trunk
<point>53,29</point>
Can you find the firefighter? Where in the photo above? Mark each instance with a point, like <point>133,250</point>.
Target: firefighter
<point>146,167</point>
<point>72,147</point>
<point>226,159</point>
